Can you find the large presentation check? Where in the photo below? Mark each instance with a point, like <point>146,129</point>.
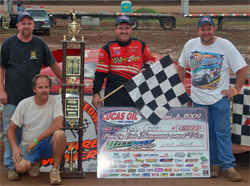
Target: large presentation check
<point>129,146</point>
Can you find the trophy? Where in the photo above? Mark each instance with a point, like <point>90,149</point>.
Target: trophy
<point>74,27</point>
<point>71,147</point>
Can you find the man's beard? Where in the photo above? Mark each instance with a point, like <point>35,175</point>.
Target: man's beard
<point>26,33</point>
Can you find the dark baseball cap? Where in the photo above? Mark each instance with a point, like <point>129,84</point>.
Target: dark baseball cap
<point>205,20</point>
<point>121,19</point>
<point>22,15</point>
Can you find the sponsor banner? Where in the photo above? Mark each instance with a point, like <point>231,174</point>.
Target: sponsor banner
<point>89,143</point>
<point>130,146</point>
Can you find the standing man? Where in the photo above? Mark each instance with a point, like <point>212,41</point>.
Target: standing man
<point>21,58</point>
<point>210,58</point>
<point>119,61</point>
<point>6,20</point>
<point>41,119</point>
<point>19,5</point>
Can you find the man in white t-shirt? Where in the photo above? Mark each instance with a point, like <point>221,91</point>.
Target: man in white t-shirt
<point>41,119</point>
<point>211,58</point>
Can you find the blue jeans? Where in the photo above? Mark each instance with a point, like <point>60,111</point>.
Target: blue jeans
<point>8,111</point>
<point>43,150</point>
<point>219,134</point>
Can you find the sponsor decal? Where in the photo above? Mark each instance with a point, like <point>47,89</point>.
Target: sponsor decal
<point>122,166</point>
<point>205,172</point>
<point>132,50</point>
<point>150,170</point>
<point>187,174</point>
<point>113,175</point>
<point>204,160</point>
<point>185,170</point>
<point>125,155</point>
<point>166,160</point>
<point>128,161</point>
<point>117,52</point>
<point>204,166</point>
<point>180,154</point>
<point>158,169</point>
<point>192,160</point>
<point>130,145</point>
<point>150,155</point>
<point>151,160</point>
<point>176,170</point>
<point>141,170</point>
<point>137,155</point>
<point>135,175</point>
<point>116,48</point>
<point>178,160</point>
<point>131,170</point>
<point>145,165</point>
<point>178,174</point>
<point>133,165</point>
<point>101,54</point>
<point>168,170</point>
<point>179,165</point>
<point>120,170</point>
<point>167,165</point>
<point>120,117</point>
<point>104,175</point>
<point>116,156</point>
<point>195,169</point>
<point>190,154</point>
<point>171,174</point>
<point>189,165</point>
<point>156,165</point>
<point>113,166</point>
<point>139,160</point>
<point>155,174</point>
<point>125,175</point>
<point>196,174</point>
<point>145,175</point>
<point>164,174</point>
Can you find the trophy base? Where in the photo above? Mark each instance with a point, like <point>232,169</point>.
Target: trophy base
<point>74,174</point>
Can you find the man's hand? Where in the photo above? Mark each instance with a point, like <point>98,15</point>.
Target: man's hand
<point>16,152</point>
<point>96,101</point>
<point>142,70</point>
<point>31,146</point>
<point>229,93</point>
<point>3,96</point>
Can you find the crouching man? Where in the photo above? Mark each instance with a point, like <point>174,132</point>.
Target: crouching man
<point>41,119</point>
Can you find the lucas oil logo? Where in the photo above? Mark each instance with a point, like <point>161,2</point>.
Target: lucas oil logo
<point>120,117</point>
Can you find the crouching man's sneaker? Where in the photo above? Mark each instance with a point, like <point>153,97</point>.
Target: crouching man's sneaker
<point>232,175</point>
<point>34,171</point>
<point>12,175</point>
<point>55,178</point>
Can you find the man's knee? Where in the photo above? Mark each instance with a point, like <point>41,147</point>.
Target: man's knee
<point>59,137</point>
<point>23,166</point>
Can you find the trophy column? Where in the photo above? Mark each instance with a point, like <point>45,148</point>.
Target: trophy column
<point>73,77</point>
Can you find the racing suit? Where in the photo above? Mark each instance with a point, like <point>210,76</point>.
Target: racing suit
<point>119,62</point>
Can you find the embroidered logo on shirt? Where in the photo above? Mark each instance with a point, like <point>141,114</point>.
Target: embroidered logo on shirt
<point>33,55</point>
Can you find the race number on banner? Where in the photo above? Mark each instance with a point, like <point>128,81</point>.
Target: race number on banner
<point>129,146</point>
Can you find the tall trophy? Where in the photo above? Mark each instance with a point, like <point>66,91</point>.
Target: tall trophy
<point>73,80</point>
<point>74,27</point>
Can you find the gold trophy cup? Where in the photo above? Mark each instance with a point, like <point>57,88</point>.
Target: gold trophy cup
<point>74,27</point>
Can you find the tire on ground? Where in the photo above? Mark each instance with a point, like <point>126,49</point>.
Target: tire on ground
<point>167,24</point>
<point>135,23</point>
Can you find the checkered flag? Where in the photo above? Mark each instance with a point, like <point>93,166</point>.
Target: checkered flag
<point>157,89</point>
<point>241,118</point>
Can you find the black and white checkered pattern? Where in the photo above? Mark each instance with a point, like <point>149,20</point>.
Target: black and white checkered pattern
<point>241,118</point>
<point>157,89</point>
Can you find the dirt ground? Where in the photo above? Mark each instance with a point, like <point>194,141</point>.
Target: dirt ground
<point>159,41</point>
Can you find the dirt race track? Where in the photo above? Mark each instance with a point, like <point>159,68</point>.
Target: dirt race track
<point>159,41</point>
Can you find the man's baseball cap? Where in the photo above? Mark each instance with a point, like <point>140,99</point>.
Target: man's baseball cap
<point>22,15</point>
<point>121,19</point>
<point>205,20</point>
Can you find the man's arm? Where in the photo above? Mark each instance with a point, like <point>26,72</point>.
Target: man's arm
<point>11,134</point>
<point>240,79</point>
<point>3,94</point>
<point>181,71</point>
<point>57,70</point>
